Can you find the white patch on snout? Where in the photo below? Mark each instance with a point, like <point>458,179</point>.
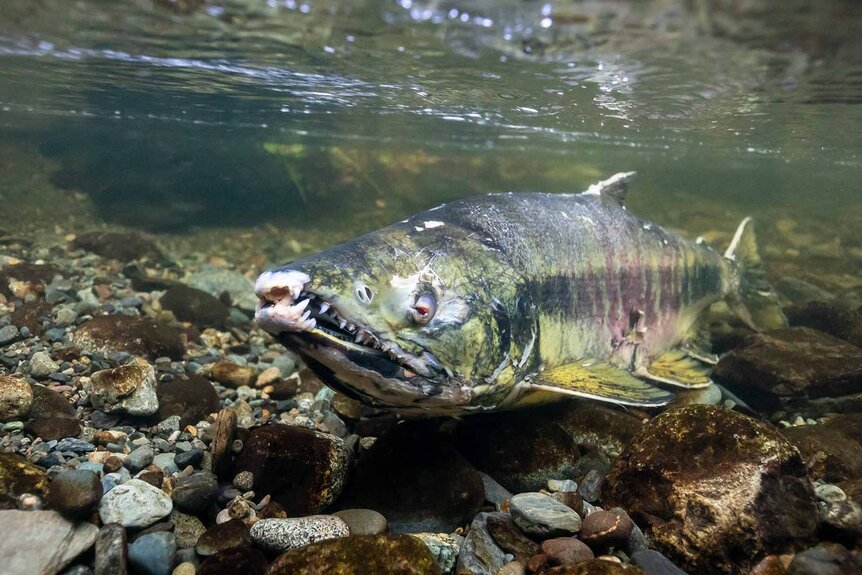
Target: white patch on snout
<point>278,311</point>
<point>270,284</point>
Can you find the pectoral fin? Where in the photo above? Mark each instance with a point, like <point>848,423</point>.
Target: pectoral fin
<point>677,367</point>
<point>601,381</point>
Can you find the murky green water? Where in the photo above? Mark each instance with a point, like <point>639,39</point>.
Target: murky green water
<point>259,130</point>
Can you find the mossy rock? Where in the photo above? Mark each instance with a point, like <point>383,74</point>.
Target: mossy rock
<point>19,476</point>
<point>358,555</point>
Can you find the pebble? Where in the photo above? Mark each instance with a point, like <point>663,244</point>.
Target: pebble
<point>244,480</point>
<point>363,521</point>
<point>165,462</point>
<point>196,493</point>
<point>540,515</point>
<point>228,535</point>
<point>187,529</point>
<point>75,493</point>
<point>566,551</point>
<point>279,535</point>
<point>41,364</point>
<point>555,485</point>
<point>232,375</point>
<point>111,557</point>
<point>591,486</point>
<point>494,492</point>
<point>192,457</point>
<point>16,398</point>
<point>654,563</point>
<point>127,389</point>
<point>185,568</point>
<point>153,553</point>
<point>829,493</point>
<point>606,528</point>
<point>443,547</point>
<point>135,503</point>
<point>479,553</point>
<point>139,458</point>
<point>8,334</point>
<point>70,444</point>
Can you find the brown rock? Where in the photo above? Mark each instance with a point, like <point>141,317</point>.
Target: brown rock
<point>47,403</point>
<point>35,276</point>
<point>520,449</point>
<point>510,539</point>
<point>571,499</point>
<point>138,336</point>
<point>122,246</point>
<point>75,493</point>
<point>358,555</point>
<point>842,321</point>
<point>716,487</point>
<point>232,375</point>
<point>828,452</point>
<point>537,563</point>
<point>595,567</point>
<point>566,551</point>
<point>593,425</point>
<point>228,535</point>
<point>770,565</point>
<point>53,428</point>
<point>16,398</point>
<point>192,397</point>
<point>284,389</point>
<point>195,306</point>
<point>237,561</point>
<point>302,469</point>
<point>603,528</point>
<point>417,480</point>
<point>223,433</point>
<point>19,476</point>
<point>791,363</point>
<point>28,316</point>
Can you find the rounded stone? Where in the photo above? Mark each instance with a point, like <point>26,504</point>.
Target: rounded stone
<point>192,398</point>
<point>135,503</point>
<point>135,335</point>
<point>566,551</point>
<point>187,529</point>
<point>19,476</point>
<point>185,568</point>
<point>543,516</point>
<point>16,397</point>
<point>222,536</point>
<point>283,534</point>
<point>359,555</point>
<point>195,306</point>
<point>153,553</point>
<point>232,375</point>
<point>75,493</point>
<point>195,493</point>
<point>719,488</point>
<point>363,521</point>
<point>605,528</point>
<point>53,428</point>
<point>302,469</point>
<point>238,561</point>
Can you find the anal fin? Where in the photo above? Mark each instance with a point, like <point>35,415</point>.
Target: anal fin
<point>678,367</point>
<point>601,381</point>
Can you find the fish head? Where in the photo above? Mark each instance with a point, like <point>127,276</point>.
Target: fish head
<point>395,318</point>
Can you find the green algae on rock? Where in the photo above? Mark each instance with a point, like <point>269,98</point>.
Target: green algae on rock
<point>17,477</point>
<point>717,489</point>
<point>359,555</point>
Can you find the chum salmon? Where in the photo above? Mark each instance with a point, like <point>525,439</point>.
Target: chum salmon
<point>513,299</point>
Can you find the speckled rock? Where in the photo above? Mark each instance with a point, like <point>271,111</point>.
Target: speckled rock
<point>191,397</point>
<point>480,554</point>
<point>417,480</point>
<point>16,397</point>
<point>222,536</point>
<point>41,364</point>
<point>19,476</point>
<point>135,335</point>
<point>75,493</point>
<point>594,425</point>
<point>714,483</point>
<point>41,542</point>
<point>444,547</point>
<point>135,503</point>
<point>111,550</point>
<point>358,555</point>
<point>127,389</point>
<point>302,469</point>
<point>363,521</point>
<point>237,561</point>
<point>543,516</point>
<point>791,363</point>
<point>283,534</point>
<point>195,306</point>
<point>519,449</point>
<point>187,529</point>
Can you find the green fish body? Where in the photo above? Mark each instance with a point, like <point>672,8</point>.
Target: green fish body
<point>507,300</point>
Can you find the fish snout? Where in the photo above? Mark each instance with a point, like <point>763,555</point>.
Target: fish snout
<point>280,307</point>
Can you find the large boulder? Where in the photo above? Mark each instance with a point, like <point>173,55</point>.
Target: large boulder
<point>717,489</point>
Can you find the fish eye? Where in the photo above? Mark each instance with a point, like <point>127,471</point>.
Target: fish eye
<point>424,308</point>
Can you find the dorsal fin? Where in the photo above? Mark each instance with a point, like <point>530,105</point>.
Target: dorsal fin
<point>613,188</point>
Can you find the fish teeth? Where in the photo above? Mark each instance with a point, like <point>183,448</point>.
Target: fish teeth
<point>350,327</point>
<point>324,307</point>
<point>342,323</point>
<point>300,306</point>
<point>311,323</point>
<point>306,315</point>
<point>360,337</point>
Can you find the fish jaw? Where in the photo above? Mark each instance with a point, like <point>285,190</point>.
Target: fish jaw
<point>278,309</point>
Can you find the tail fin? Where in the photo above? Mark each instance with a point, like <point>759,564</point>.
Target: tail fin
<point>755,302</point>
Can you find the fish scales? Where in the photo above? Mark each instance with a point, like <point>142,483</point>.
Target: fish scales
<point>506,300</point>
